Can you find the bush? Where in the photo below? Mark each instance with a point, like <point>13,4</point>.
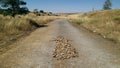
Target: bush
<point>41,11</point>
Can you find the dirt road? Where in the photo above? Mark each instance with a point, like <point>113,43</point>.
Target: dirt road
<point>35,51</point>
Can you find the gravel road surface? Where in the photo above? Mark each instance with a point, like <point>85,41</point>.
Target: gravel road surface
<point>35,51</point>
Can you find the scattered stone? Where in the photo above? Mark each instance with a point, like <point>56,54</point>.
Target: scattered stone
<point>94,31</point>
<point>64,49</point>
<point>104,36</point>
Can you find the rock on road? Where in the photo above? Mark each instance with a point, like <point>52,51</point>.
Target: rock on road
<point>35,51</point>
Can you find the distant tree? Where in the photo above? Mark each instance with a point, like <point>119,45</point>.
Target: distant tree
<point>50,13</point>
<point>107,5</point>
<point>35,11</point>
<point>14,5</point>
<point>0,10</point>
<point>41,11</point>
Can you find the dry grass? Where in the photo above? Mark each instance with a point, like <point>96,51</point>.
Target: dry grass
<point>105,22</point>
<point>13,28</point>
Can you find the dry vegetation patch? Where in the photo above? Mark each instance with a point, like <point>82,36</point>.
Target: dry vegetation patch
<point>13,28</point>
<point>104,22</point>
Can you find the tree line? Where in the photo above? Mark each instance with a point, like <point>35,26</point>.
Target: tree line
<point>13,7</point>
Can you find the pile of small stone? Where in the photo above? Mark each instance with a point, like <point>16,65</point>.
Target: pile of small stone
<point>64,49</point>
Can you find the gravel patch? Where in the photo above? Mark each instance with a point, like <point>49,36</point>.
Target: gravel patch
<point>64,49</point>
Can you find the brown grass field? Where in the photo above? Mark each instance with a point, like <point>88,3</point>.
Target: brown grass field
<point>11,29</point>
<point>105,23</point>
